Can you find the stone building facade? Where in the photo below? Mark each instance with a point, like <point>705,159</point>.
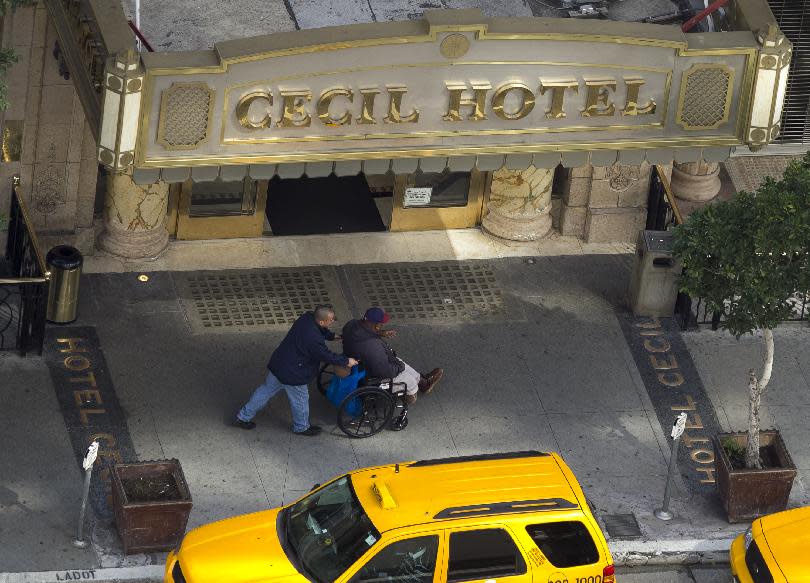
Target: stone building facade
<point>52,148</point>
<point>622,102</point>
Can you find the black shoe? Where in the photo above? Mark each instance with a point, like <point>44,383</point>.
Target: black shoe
<point>309,431</point>
<point>245,424</point>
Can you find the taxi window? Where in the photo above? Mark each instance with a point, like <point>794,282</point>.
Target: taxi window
<point>483,554</point>
<point>406,561</point>
<point>565,544</point>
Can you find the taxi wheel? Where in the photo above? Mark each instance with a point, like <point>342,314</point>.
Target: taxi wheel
<point>365,412</point>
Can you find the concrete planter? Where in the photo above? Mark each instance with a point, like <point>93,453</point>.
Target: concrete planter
<point>747,494</point>
<point>147,525</point>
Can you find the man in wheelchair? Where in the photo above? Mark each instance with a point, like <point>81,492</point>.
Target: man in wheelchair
<point>364,340</point>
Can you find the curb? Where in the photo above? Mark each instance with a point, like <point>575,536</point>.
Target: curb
<point>154,572</point>
<point>684,551</point>
<point>631,553</point>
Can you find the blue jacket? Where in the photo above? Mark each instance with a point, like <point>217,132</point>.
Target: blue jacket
<point>297,358</point>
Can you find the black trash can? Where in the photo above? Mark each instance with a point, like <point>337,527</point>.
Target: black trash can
<point>65,264</point>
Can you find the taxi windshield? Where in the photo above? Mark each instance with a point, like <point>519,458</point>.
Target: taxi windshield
<point>328,530</point>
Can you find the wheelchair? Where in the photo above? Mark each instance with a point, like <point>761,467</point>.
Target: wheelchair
<point>375,404</point>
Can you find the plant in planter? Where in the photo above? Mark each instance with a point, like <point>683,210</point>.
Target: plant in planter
<point>747,257</point>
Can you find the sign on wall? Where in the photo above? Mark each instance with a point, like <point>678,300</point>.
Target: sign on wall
<point>448,85</point>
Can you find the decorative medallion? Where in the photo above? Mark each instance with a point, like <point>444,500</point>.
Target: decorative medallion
<point>49,190</point>
<point>621,177</point>
<point>454,46</point>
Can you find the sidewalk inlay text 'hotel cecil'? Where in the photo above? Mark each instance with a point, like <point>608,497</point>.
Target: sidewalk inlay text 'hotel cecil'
<point>89,405</point>
<point>674,386</point>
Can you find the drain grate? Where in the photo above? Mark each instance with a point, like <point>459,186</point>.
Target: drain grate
<point>254,300</point>
<point>622,525</point>
<point>444,292</point>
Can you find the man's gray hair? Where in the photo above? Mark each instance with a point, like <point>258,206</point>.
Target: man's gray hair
<point>322,312</point>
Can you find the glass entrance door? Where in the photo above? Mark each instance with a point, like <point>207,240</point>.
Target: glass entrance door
<point>220,209</point>
<point>438,200</point>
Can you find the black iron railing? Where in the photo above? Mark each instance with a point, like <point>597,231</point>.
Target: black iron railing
<point>24,289</point>
<point>662,215</point>
<point>662,211</point>
<point>701,314</point>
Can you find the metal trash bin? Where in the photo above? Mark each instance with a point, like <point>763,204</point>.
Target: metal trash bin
<point>654,282</point>
<point>65,264</point>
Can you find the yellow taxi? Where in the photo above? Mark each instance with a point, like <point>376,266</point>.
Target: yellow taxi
<point>517,517</point>
<point>774,550</point>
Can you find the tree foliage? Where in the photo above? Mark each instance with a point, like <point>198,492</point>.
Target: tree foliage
<point>7,56</point>
<point>747,256</point>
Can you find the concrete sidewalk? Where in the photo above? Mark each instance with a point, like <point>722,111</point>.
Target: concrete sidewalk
<point>554,373</point>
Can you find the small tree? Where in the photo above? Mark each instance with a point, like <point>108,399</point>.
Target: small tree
<point>747,257</point>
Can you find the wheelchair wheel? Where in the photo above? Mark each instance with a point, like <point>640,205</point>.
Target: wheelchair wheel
<point>365,412</point>
<point>325,375</point>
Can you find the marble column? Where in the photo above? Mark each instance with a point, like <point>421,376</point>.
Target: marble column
<point>134,218</point>
<point>696,181</point>
<point>519,205</point>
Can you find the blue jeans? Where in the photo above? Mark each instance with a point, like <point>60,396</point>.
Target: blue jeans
<point>297,394</point>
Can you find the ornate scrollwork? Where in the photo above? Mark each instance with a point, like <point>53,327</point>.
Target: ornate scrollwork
<point>621,177</point>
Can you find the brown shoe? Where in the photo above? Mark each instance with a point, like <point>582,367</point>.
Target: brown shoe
<point>409,399</point>
<point>431,379</point>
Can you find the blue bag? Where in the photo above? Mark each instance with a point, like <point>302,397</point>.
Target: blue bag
<point>339,388</point>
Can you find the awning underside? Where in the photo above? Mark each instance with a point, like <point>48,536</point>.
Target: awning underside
<point>434,164</point>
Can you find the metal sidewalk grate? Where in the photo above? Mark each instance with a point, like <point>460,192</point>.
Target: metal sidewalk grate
<point>441,292</point>
<point>622,525</point>
<point>254,300</point>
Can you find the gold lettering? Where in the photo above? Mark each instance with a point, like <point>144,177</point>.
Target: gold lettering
<point>325,101</point>
<point>459,99</point>
<point>526,101</point>
<point>83,413</point>
<point>72,344</point>
<point>395,93</point>
<point>709,479</point>
<point>367,113</point>
<point>670,379</point>
<point>667,363</point>
<point>294,113</point>
<point>664,345</point>
<point>690,405</point>
<point>86,396</point>
<point>689,441</point>
<point>70,362</point>
<point>651,333</point>
<point>243,110</point>
<point>89,379</point>
<point>558,89</point>
<point>697,424</point>
<point>102,438</point>
<point>597,99</point>
<point>707,456</point>
<point>631,102</point>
